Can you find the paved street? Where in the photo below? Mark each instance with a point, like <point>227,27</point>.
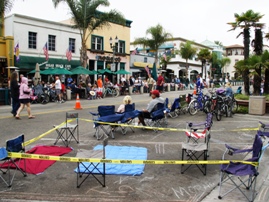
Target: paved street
<point>157,183</point>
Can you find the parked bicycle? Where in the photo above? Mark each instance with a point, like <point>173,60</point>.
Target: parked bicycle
<point>198,103</point>
<point>114,92</point>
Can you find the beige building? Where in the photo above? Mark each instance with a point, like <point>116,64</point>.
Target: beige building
<point>235,53</point>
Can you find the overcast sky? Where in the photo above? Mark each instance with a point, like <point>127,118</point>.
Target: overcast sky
<point>195,20</point>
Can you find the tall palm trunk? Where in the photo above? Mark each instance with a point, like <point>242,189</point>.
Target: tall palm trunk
<point>266,81</point>
<point>258,48</point>
<point>246,56</point>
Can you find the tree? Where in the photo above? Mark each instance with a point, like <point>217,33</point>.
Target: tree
<point>157,37</point>
<point>87,19</point>
<point>5,6</point>
<point>223,62</point>
<point>245,21</point>
<point>187,51</point>
<point>204,55</point>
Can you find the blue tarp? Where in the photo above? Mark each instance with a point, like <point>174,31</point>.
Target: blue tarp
<point>121,152</point>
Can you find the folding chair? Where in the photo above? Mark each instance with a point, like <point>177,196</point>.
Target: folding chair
<point>86,169</point>
<point>173,111</point>
<point>12,145</point>
<point>197,143</point>
<point>239,174</point>
<point>129,115</point>
<point>157,116</point>
<point>66,132</point>
<point>105,114</point>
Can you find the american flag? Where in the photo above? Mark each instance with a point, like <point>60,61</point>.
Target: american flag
<point>46,51</point>
<point>69,53</point>
<point>17,52</point>
<point>147,69</point>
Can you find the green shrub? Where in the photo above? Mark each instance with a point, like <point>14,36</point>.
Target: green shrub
<point>242,110</point>
<point>241,97</point>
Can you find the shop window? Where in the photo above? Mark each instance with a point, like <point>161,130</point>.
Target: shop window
<point>120,47</point>
<point>32,40</point>
<point>52,43</point>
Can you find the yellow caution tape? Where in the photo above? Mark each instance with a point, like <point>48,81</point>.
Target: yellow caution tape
<point>119,161</point>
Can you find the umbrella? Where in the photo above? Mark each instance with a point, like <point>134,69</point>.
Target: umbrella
<point>81,70</point>
<point>154,72</point>
<point>33,71</point>
<point>37,76</point>
<point>122,71</point>
<point>60,71</point>
<point>47,71</point>
<point>102,71</point>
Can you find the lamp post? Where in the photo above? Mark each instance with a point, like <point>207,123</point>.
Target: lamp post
<point>113,46</point>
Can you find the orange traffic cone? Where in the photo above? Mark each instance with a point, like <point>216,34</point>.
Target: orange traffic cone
<point>77,106</point>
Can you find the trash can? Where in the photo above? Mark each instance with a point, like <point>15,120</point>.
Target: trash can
<point>130,90</point>
<point>257,105</point>
<point>68,94</point>
<point>176,87</point>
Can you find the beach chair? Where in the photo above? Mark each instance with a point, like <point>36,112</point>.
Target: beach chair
<point>68,131</point>
<point>173,110</point>
<point>157,117</point>
<point>242,177</point>
<point>8,163</point>
<point>86,169</point>
<point>196,146</point>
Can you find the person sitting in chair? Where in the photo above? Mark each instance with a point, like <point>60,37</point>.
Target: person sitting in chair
<point>126,100</point>
<point>145,113</point>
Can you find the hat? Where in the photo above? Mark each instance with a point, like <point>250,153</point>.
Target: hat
<point>155,92</point>
<point>228,84</point>
<point>92,93</point>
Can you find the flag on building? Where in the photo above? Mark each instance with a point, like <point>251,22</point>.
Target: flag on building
<point>17,52</point>
<point>147,69</point>
<point>46,51</point>
<point>69,53</point>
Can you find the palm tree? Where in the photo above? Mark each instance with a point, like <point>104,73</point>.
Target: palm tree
<point>187,51</point>
<point>5,6</point>
<point>204,55</point>
<point>223,62</point>
<point>87,19</point>
<point>157,37</point>
<point>245,21</point>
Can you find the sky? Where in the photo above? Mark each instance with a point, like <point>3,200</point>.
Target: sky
<point>195,20</point>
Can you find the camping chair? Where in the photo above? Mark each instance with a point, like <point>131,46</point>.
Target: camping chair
<point>157,116</point>
<point>197,143</point>
<point>242,175</point>
<point>12,145</point>
<point>129,116</point>
<point>86,169</point>
<point>105,114</point>
<point>173,111</point>
<point>66,132</point>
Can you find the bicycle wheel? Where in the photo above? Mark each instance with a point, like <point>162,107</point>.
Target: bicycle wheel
<point>208,106</point>
<point>117,93</point>
<point>234,106</point>
<point>218,113</point>
<point>104,94</point>
<point>192,108</point>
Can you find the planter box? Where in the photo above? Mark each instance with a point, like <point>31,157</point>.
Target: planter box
<point>245,103</point>
<point>256,105</point>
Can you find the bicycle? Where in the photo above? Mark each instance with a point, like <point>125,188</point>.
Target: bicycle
<point>111,91</point>
<point>198,103</point>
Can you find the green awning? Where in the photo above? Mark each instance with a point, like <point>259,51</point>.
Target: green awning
<point>29,63</point>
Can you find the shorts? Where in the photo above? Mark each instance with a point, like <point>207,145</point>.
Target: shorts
<point>25,101</point>
<point>58,91</point>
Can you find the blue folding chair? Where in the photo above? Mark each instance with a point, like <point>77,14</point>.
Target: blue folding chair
<point>243,176</point>
<point>174,110</point>
<point>157,117</point>
<point>8,163</point>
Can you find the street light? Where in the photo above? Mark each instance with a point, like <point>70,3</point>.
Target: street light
<point>113,46</point>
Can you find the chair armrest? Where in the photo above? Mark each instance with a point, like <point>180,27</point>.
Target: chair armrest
<point>232,150</point>
<point>94,113</point>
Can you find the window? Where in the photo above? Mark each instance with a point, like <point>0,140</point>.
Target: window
<point>32,40</point>
<point>97,43</point>
<point>120,47</point>
<point>72,44</point>
<point>52,43</point>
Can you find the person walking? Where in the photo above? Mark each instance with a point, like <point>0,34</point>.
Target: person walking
<point>160,82</point>
<point>58,89</point>
<point>15,92</point>
<point>24,98</point>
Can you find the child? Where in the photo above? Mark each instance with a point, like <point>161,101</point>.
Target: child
<point>93,92</point>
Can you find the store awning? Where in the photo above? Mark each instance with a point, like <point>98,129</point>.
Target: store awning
<point>143,64</point>
<point>29,63</point>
